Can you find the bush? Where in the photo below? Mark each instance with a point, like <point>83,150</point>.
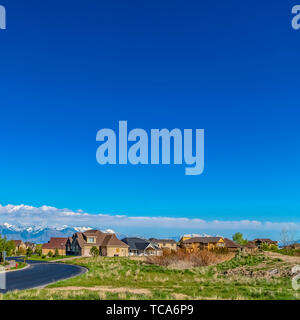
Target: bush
<point>183,259</point>
<point>38,249</point>
<point>56,254</point>
<point>29,252</point>
<point>50,254</point>
<point>94,252</point>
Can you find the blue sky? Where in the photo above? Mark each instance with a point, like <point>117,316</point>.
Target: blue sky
<point>71,68</point>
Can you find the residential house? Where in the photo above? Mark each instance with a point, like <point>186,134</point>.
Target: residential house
<point>187,237</point>
<point>166,244</point>
<point>20,246</point>
<point>108,244</point>
<point>231,245</point>
<point>142,247</point>
<point>55,244</point>
<point>30,245</point>
<point>260,242</point>
<point>249,247</point>
<point>295,245</point>
<point>199,243</point>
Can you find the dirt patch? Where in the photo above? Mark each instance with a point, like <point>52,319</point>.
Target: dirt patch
<point>283,257</point>
<point>103,289</point>
<point>180,296</point>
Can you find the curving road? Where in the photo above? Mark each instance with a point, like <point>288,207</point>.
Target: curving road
<point>39,274</point>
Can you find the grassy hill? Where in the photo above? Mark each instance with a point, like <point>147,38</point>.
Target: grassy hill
<point>258,276</point>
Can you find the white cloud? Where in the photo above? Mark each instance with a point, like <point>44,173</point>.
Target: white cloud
<point>51,216</point>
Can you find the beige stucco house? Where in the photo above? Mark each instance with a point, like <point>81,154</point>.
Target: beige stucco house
<point>55,245</point>
<point>108,244</point>
<point>200,243</point>
<point>166,244</point>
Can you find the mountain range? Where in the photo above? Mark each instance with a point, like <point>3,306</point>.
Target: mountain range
<point>42,234</point>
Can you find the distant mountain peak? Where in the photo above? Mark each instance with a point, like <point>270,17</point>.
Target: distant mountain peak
<point>42,234</point>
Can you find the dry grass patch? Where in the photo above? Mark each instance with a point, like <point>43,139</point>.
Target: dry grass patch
<point>183,260</point>
<point>102,289</point>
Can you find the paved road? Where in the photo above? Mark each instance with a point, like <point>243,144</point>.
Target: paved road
<point>39,274</point>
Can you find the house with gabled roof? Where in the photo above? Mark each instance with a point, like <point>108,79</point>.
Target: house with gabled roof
<point>108,244</point>
<point>55,245</point>
<point>264,241</point>
<point>142,247</point>
<point>232,245</point>
<point>165,244</point>
<point>199,243</point>
<point>20,246</point>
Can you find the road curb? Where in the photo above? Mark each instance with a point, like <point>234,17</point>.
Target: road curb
<point>26,267</point>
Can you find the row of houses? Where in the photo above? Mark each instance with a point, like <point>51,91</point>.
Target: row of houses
<point>81,243</point>
<point>193,244</point>
<point>21,246</point>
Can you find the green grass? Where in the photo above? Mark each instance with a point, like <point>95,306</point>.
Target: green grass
<point>287,252</point>
<point>39,258</point>
<point>21,265</point>
<point>124,278</point>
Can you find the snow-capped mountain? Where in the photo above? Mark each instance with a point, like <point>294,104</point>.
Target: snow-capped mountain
<point>42,234</point>
<point>194,235</point>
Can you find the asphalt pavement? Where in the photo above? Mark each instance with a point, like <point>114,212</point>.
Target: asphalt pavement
<point>39,274</point>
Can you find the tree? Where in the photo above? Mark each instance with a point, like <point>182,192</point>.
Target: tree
<point>94,252</point>
<point>50,254</point>
<point>38,249</point>
<point>29,252</point>
<point>287,236</point>
<point>8,246</point>
<point>239,238</point>
<point>56,253</point>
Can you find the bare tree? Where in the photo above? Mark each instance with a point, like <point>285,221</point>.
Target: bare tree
<point>287,236</point>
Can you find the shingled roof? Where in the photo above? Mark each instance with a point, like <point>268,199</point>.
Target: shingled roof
<point>17,242</point>
<point>140,244</point>
<point>204,240</point>
<point>265,240</point>
<point>249,245</point>
<point>102,239</point>
<point>112,240</point>
<point>163,240</point>
<point>55,243</point>
<point>231,244</point>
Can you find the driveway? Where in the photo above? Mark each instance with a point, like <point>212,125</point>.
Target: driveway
<point>40,274</point>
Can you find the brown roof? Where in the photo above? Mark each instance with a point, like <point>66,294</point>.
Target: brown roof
<point>102,239</point>
<point>269,241</point>
<point>231,244</point>
<point>203,240</point>
<point>249,245</point>
<point>162,240</point>
<point>112,240</point>
<point>18,242</point>
<point>55,243</point>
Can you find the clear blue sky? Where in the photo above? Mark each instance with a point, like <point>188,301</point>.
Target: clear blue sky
<point>70,68</point>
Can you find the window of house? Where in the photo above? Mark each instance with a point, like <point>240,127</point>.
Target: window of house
<point>91,240</point>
